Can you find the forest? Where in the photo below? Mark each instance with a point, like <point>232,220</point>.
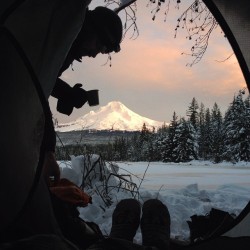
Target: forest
<point>203,134</point>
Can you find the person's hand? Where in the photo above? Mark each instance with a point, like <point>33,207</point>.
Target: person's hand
<point>75,97</point>
<point>78,96</point>
<point>51,168</point>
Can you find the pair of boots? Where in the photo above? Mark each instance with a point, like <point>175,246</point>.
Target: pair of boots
<point>155,222</point>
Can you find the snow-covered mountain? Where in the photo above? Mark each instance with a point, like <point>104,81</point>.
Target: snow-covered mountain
<point>114,115</point>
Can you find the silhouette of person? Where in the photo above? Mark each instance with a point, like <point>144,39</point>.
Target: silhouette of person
<point>101,33</point>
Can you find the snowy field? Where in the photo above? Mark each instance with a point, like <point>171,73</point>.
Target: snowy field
<point>178,175</point>
<point>186,189</point>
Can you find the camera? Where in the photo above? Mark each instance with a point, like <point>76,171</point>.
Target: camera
<point>76,97</point>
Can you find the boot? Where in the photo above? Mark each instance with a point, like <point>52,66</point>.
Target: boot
<point>155,224</point>
<point>126,219</point>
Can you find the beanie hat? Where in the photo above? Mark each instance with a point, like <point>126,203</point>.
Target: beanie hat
<point>107,23</point>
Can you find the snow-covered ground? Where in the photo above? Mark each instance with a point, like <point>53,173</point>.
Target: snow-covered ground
<point>186,189</point>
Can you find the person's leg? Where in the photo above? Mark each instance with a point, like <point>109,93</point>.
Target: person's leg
<point>126,219</point>
<point>155,224</point>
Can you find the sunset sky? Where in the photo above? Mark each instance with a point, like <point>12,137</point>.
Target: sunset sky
<point>150,75</point>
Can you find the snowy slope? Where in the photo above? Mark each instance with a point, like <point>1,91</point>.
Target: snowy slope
<point>186,188</point>
<point>114,116</point>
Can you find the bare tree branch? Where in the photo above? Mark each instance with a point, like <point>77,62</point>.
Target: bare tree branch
<point>197,21</point>
<point>123,6</point>
<point>221,61</point>
<point>128,10</point>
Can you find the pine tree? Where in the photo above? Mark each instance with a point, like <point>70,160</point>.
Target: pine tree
<point>148,147</point>
<point>134,149</point>
<point>161,137</point>
<point>168,144</point>
<point>186,142</point>
<point>236,131</point>
<point>227,132</point>
<point>207,136</point>
<point>152,153</point>
<point>163,129</point>
<point>143,139</point>
<point>245,137</point>
<point>192,113</point>
<point>216,135</point>
<point>247,103</point>
<point>120,149</point>
<point>201,131</point>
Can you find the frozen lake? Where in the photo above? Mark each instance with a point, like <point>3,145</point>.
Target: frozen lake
<point>178,175</point>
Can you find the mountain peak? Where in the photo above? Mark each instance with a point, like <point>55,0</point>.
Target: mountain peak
<point>113,116</point>
<point>115,105</point>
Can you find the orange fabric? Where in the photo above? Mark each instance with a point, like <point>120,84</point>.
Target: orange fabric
<point>70,192</point>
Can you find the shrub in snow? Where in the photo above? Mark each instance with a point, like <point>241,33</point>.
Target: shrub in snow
<point>97,177</point>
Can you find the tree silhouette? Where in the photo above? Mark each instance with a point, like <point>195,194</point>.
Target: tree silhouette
<point>192,113</point>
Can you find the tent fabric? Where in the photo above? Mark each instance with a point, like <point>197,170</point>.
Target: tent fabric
<point>241,226</point>
<point>233,17</point>
<point>221,243</point>
<point>236,236</point>
<point>46,30</point>
<point>21,184</point>
<point>15,100</point>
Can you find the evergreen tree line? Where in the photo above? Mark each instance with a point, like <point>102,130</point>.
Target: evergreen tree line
<point>205,135</point>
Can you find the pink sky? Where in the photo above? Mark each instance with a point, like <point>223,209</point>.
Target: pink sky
<point>150,75</point>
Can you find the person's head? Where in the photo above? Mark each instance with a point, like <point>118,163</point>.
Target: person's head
<point>101,33</point>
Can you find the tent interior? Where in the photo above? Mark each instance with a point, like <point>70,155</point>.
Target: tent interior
<point>233,17</point>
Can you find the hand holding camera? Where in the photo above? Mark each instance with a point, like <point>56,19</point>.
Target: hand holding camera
<point>76,97</point>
